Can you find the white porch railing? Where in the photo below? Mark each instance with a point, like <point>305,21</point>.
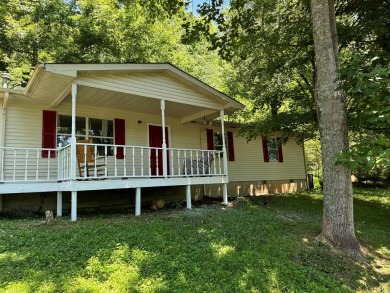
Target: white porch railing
<point>140,161</point>
<point>27,164</point>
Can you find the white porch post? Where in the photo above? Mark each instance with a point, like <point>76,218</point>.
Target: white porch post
<point>224,143</point>
<point>225,195</point>
<point>73,136</point>
<point>225,164</point>
<point>138,201</point>
<point>59,203</point>
<point>74,206</point>
<point>164,142</point>
<point>188,196</point>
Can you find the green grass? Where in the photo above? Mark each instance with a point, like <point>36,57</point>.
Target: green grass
<point>261,244</point>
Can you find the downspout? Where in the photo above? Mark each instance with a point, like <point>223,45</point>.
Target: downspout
<point>5,77</point>
<point>4,116</point>
<point>304,163</point>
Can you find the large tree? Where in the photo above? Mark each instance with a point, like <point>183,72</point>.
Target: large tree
<point>338,221</point>
<point>290,76</point>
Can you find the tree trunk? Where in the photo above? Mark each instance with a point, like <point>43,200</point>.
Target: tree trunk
<point>338,222</point>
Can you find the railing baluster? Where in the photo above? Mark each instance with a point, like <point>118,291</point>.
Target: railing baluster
<point>124,161</point>
<point>150,162</point>
<point>37,169</point>
<point>178,163</point>
<point>157,163</point>
<point>26,166</point>
<point>185,163</point>
<point>171,165</point>
<point>105,162</point>
<point>219,163</point>
<point>85,161</point>
<point>14,173</point>
<point>215,171</point>
<point>67,164</point>
<point>2,164</point>
<point>59,164</point>
<point>48,165</point>
<point>142,161</point>
<point>191,160</point>
<point>115,167</point>
<point>133,160</point>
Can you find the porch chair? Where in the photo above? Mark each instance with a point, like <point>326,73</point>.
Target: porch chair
<point>86,159</point>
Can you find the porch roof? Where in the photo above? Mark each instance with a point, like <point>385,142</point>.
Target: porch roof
<point>133,87</point>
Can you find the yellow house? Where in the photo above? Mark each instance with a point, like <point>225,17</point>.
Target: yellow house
<point>78,128</point>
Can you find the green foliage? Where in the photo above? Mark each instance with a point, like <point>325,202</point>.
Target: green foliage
<point>32,32</point>
<point>259,244</point>
<point>271,47</point>
<point>101,31</point>
<point>313,157</point>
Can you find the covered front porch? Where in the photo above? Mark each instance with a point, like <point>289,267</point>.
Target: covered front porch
<point>78,159</point>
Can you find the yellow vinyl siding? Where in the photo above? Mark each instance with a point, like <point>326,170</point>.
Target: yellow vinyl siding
<point>249,163</point>
<point>24,129</point>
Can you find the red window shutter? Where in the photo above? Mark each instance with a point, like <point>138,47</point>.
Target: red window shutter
<point>49,125</point>
<point>230,146</point>
<point>265,150</point>
<point>119,136</point>
<point>280,151</point>
<point>210,139</point>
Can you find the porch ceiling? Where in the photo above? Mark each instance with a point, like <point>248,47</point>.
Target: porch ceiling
<point>127,102</point>
<point>132,87</point>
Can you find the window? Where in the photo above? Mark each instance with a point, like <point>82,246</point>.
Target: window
<point>64,129</point>
<point>214,142</point>
<point>218,144</point>
<point>272,150</point>
<point>101,131</point>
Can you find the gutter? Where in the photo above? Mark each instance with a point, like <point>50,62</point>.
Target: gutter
<point>5,77</point>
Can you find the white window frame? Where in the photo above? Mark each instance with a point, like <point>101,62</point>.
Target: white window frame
<point>87,134</point>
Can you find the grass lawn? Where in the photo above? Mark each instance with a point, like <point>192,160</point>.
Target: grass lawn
<point>258,244</point>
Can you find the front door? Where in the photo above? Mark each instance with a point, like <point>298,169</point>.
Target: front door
<point>156,156</point>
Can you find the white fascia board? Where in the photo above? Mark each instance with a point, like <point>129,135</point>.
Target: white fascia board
<point>231,102</point>
<point>79,68</point>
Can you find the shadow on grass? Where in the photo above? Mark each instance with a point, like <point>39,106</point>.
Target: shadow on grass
<point>260,244</point>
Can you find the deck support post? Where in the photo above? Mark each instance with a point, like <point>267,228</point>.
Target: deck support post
<point>1,203</point>
<point>138,201</point>
<point>73,216</point>
<point>188,196</point>
<point>164,142</point>
<point>225,195</point>
<point>59,203</point>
